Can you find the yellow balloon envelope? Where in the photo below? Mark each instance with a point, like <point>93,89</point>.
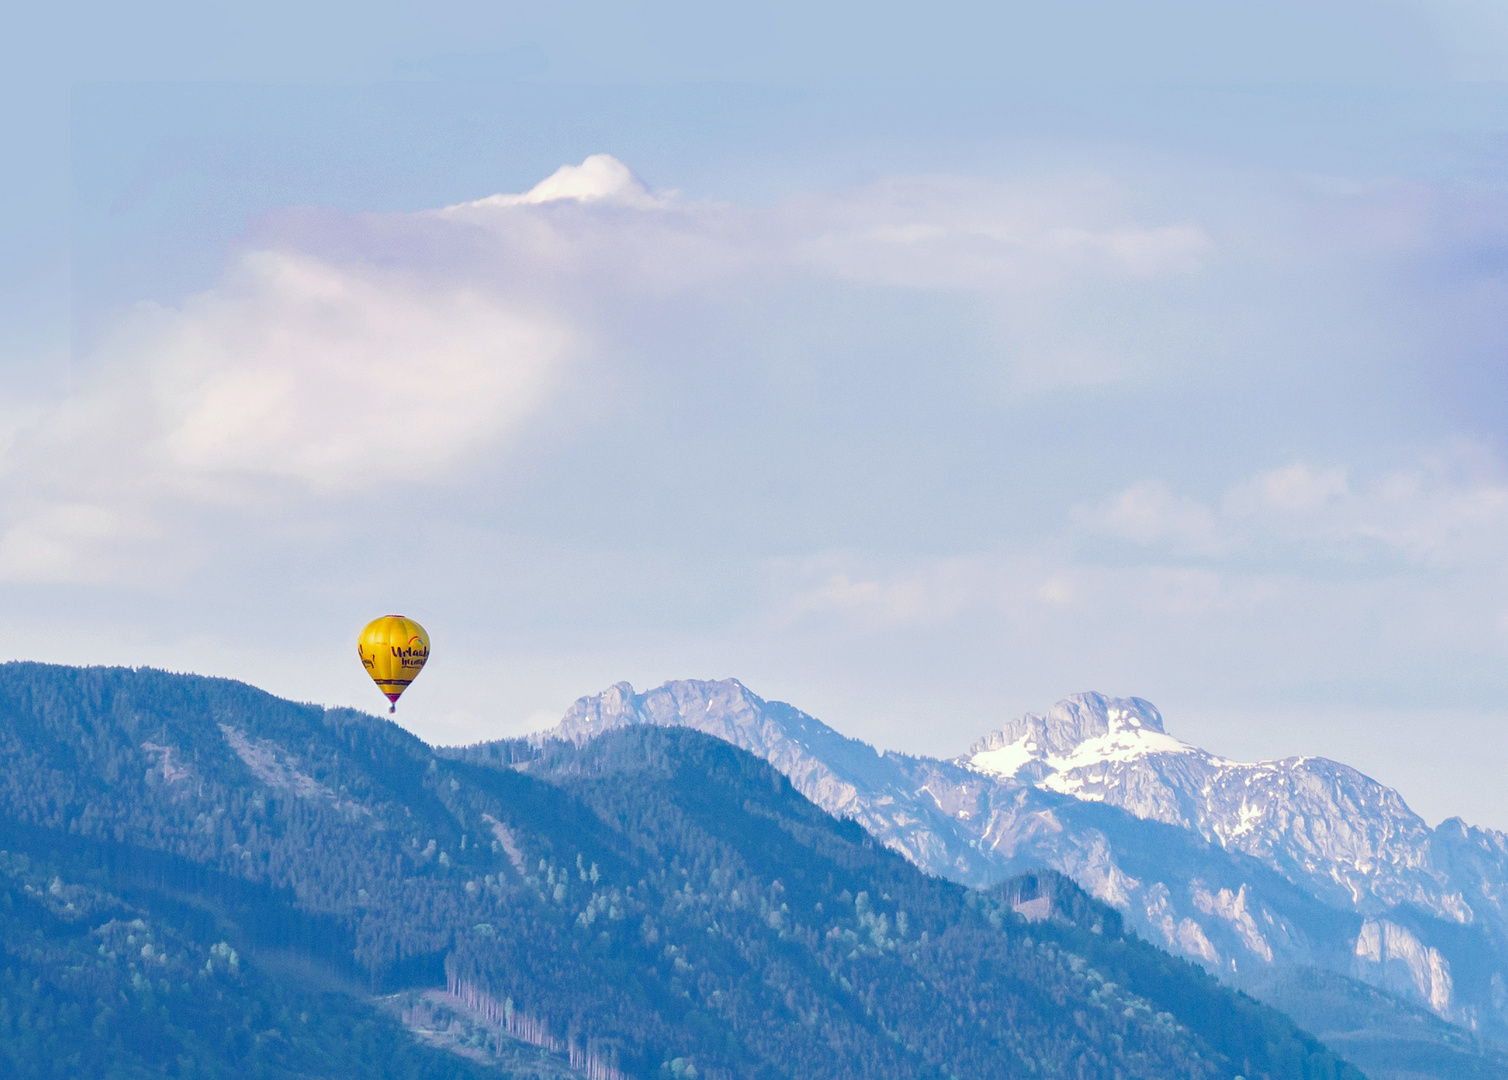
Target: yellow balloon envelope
<point>393,650</point>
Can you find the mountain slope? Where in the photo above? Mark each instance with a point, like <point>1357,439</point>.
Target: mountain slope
<point>1375,1030</point>
<point>125,963</point>
<point>651,903</point>
<point>1435,927</point>
<point>1298,862</point>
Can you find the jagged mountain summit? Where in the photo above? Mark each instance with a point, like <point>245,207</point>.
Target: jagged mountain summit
<point>1349,838</point>
<point>1238,865</point>
<point>844,776</point>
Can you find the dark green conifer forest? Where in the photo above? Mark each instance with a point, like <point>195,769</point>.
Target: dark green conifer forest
<point>198,879</point>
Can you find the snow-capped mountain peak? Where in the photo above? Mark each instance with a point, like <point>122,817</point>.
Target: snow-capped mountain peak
<point>1353,840</point>
<point>1077,733</point>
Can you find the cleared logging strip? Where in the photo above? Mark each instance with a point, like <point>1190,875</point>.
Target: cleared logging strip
<point>526,1028</point>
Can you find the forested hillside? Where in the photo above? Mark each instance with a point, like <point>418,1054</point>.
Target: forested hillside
<point>201,879</point>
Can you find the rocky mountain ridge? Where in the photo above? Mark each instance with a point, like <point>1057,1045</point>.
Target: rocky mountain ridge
<point>1238,865</point>
<point>1347,837</point>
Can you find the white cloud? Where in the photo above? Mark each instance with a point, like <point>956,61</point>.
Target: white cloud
<point>53,543</point>
<point>1268,551</point>
<point>943,232</point>
<point>338,377</point>
<point>1296,488</point>
<point>1148,513</point>
<point>379,350</point>
<point>346,354</point>
<point>926,597</point>
<point>1060,589</point>
<point>1448,510</point>
<point>1131,595</point>
<point>1023,591</point>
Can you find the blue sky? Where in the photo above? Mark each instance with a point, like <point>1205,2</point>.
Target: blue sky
<point>917,366</point>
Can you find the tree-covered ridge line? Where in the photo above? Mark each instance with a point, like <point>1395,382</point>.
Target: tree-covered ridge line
<point>660,899</point>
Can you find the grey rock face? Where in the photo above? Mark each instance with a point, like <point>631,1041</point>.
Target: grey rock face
<point>1073,722</point>
<point>1303,861</point>
<point>1347,837</point>
<point>844,776</point>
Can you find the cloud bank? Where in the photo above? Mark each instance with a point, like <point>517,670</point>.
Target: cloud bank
<point>348,354</point>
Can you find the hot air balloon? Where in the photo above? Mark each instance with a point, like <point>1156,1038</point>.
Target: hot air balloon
<point>393,650</point>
